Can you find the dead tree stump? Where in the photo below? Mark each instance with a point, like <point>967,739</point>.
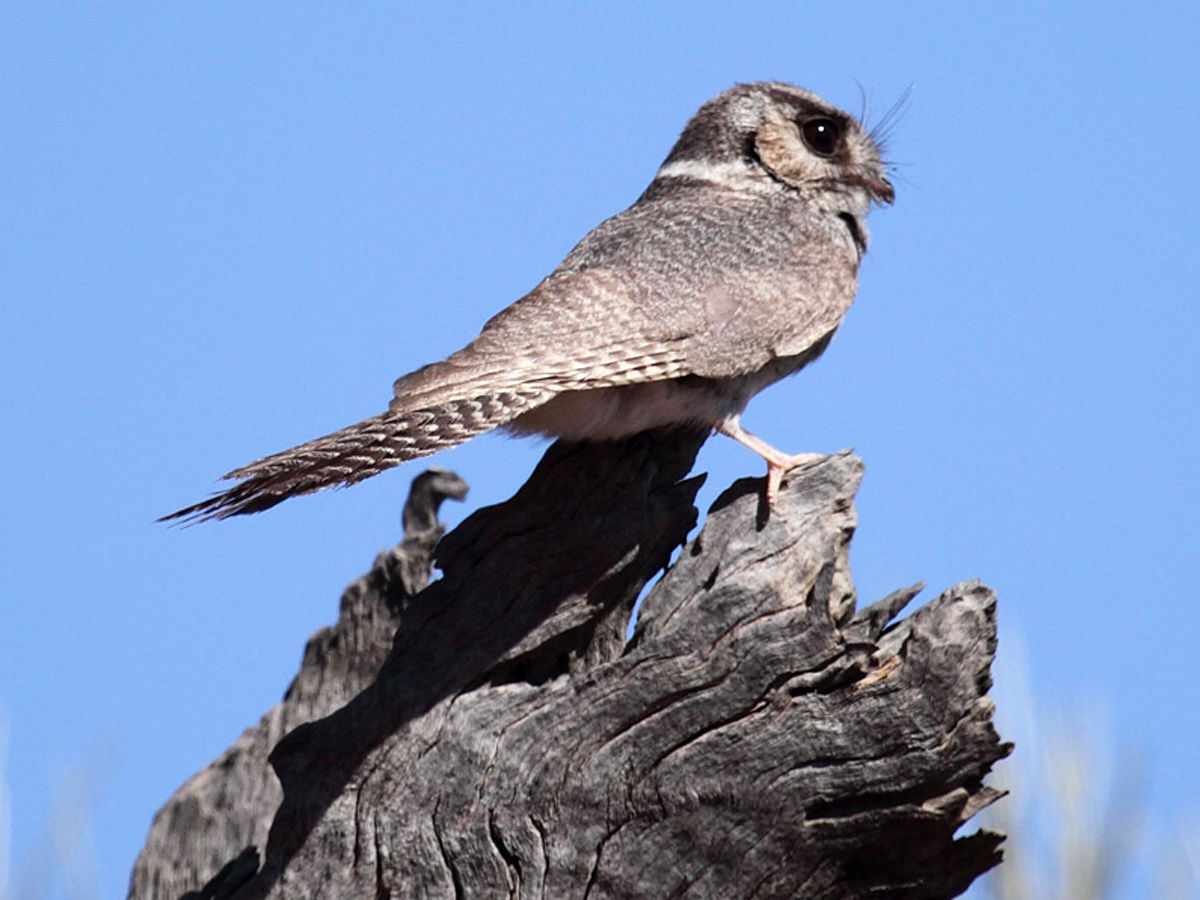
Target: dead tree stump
<point>757,737</point>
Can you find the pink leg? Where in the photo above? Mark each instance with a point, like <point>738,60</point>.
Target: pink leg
<point>778,462</point>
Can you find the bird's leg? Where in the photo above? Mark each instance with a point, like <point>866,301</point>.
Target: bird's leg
<point>778,462</point>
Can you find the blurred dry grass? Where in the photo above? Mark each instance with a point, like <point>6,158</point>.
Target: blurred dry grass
<point>61,861</point>
<point>1076,815</point>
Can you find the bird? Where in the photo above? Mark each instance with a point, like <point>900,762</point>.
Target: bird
<point>732,270</point>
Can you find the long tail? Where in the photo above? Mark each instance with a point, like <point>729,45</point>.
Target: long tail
<point>359,451</point>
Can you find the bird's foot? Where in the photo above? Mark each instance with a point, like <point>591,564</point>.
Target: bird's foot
<point>778,462</point>
<point>777,466</point>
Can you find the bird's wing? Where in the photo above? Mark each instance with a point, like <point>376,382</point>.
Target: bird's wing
<point>575,331</point>
<point>607,327</point>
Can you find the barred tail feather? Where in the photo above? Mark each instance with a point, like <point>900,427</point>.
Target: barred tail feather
<point>348,456</point>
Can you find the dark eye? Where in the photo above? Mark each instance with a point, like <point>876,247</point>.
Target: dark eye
<point>822,136</point>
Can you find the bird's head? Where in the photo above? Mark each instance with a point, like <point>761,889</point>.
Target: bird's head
<point>770,136</point>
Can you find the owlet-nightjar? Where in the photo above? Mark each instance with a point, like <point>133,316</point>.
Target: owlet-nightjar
<point>732,270</point>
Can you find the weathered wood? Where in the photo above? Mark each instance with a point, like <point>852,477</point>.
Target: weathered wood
<point>758,737</point>
<point>229,805</point>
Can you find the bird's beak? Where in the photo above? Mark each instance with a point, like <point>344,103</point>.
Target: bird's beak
<point>879,188</point>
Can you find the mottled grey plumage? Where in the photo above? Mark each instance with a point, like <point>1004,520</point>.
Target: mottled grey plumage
<point>732,270</point>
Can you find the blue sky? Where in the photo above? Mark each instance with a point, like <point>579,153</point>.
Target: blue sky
<point>226,230</point>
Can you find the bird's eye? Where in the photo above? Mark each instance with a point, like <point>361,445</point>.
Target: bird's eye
<point>822,136</point>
